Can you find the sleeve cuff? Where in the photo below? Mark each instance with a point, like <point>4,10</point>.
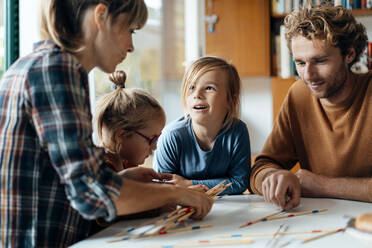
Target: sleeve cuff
<point>93,196</point>
<point>259,175</point>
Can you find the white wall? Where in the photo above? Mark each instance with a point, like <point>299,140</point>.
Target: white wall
<point>256,110</point>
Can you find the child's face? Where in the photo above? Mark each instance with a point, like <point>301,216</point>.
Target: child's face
<point>135,148</point>
<point>207,99</point>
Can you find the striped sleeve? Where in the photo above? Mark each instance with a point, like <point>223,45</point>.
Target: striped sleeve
<point>58,95</point>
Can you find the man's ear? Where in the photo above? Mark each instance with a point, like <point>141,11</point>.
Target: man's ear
<point>100,15</point>
<point>350,56</point>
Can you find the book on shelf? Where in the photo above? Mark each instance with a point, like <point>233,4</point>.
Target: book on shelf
<point>283,65</point>
<point>285,6</point>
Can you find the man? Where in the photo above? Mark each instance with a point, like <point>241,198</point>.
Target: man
<point>325,122</point>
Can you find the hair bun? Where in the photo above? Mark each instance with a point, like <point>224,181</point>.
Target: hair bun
<point>118,78</point>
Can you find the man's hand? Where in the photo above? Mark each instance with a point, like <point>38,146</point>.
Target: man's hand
<point>312,185</point>
<point>282,188</point>
<point>180,181</point>
<point>144,174</point>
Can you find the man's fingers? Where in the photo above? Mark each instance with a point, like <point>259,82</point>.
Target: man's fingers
<point>273,189</point>
<point>281,193</point>
<point>294,200</point>
<point>265,192</point>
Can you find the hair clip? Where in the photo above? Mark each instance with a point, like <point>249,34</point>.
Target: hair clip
<point>118,78</point>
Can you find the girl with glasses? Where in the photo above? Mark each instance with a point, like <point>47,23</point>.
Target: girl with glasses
<point>128,123</point>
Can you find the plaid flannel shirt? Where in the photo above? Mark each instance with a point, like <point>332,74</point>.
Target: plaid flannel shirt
<point>53,180</point>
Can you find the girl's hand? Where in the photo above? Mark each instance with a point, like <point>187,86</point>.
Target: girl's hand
<point>199,187</point>
<point>144,174</point>
<point>180,181</point>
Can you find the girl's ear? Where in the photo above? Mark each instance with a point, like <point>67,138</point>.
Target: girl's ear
<point>100,15</point>
<point>118,135</point>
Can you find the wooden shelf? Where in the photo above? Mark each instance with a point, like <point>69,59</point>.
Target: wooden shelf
<point>356,13</point>
<point>362,12</point>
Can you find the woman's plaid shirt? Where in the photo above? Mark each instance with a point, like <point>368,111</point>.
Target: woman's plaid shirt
<point>52,179</point>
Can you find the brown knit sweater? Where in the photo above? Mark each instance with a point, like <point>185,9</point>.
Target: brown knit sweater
<point>331,141</point>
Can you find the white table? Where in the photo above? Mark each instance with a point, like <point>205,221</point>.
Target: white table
<point>230,212</point>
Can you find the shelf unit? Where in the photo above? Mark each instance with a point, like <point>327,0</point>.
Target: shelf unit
<point>241,34</point>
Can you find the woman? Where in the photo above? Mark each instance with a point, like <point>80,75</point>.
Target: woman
<point>53,180</point>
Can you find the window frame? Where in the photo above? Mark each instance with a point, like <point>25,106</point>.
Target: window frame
<point>11,23</point>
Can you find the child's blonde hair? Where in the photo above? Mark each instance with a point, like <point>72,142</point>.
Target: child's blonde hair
<point>205,64</point>
<point>123,109</point>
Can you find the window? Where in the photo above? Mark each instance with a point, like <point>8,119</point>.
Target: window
<point>2,39</point>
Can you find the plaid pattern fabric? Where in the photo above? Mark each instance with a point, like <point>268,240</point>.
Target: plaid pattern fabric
<point>53,180</point>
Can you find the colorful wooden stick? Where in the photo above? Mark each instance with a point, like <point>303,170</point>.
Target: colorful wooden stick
<point>323,235</point>
<point>268,234</point>
<point>297,214</point>
<point>205,243</point>
<point>261,219</point>
<point>160,232</point>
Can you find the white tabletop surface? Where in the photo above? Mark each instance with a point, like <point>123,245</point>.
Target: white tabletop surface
<point>230,212</point>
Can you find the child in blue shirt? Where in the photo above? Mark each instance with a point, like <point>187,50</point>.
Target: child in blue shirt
<point>210,143</point>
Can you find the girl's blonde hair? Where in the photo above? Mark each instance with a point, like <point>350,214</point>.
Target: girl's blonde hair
<point>61,20</point>
<point>126,109</point>
<point>205,64</point>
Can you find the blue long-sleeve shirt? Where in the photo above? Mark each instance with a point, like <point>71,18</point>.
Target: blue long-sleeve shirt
<point>178,152</point>
<point>52,178</point>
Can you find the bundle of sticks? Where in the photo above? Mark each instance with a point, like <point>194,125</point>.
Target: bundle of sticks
<point>169,222</point>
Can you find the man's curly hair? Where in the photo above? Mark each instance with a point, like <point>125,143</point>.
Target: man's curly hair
<point>335,24</point>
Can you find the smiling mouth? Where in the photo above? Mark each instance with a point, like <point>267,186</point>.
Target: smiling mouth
<point>199,107</point>
<point>315,86</point>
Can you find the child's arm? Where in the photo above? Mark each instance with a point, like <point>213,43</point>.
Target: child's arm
<point>166,155</point>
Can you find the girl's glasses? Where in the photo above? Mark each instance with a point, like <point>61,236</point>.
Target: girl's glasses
<point>152,140</point>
